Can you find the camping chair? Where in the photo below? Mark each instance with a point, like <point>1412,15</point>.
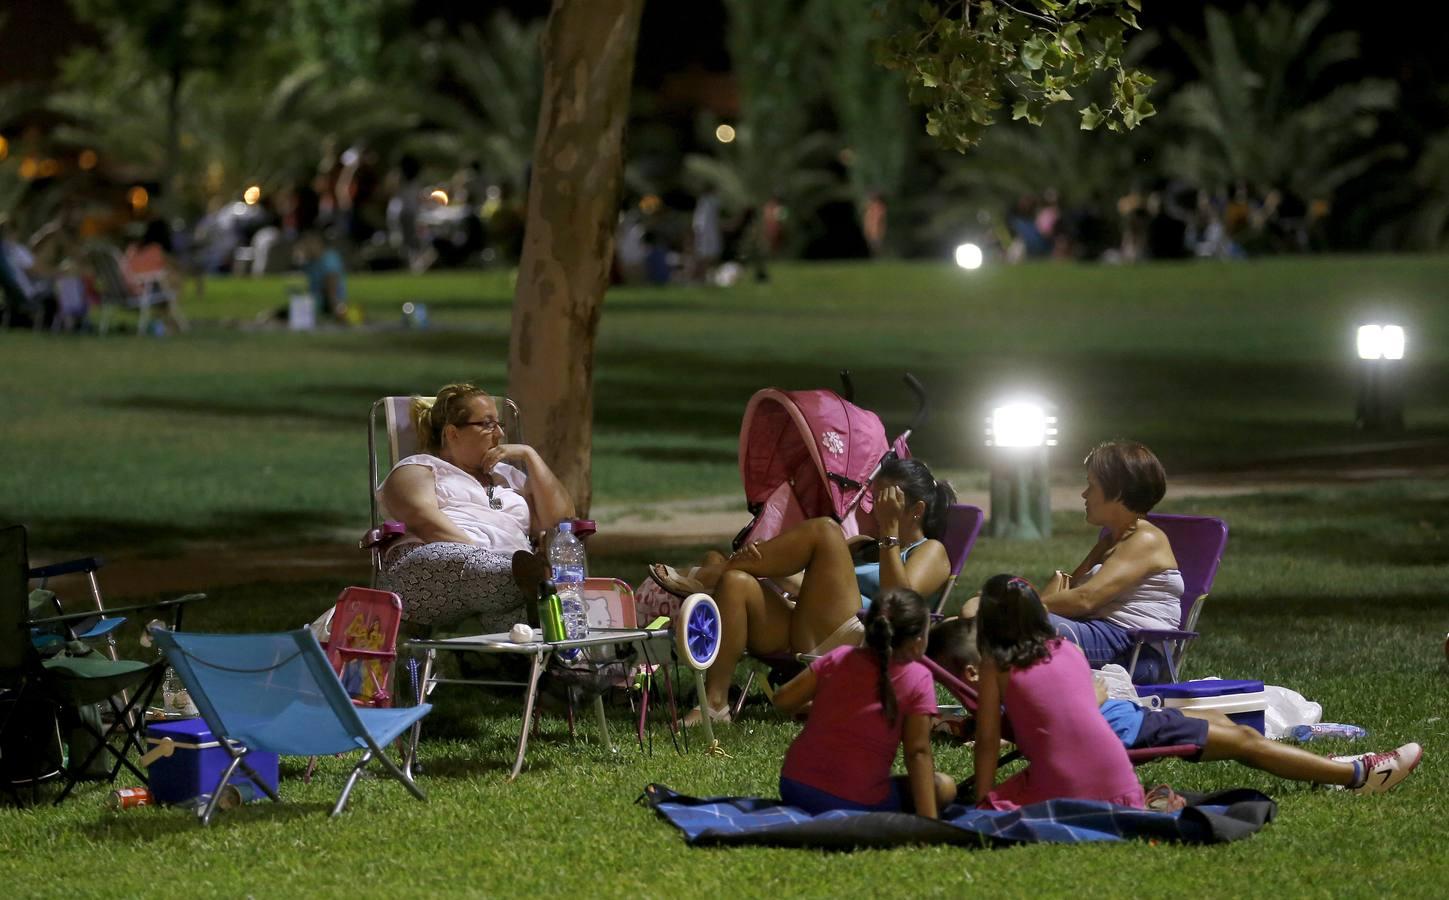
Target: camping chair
<point>72,681</point>
<point>115,290</point>
<point>391,437</point>
<point>276,693</point>
<point>1198,543</point>
<point>963,525</point>
<point>967,695</point>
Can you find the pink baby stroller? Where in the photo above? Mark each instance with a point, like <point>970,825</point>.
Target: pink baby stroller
<point>806,454</point>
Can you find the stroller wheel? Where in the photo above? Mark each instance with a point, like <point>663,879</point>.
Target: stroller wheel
<point>699,631</point>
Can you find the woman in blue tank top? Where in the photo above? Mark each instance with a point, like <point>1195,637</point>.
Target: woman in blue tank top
<point>819,581</point>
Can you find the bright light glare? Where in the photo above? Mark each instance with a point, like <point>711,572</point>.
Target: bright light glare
<point>969,256</point>
<point>440,197</point>
<point>251,195</point>
<point>1393,342</point>
<point>724,134</point>
<point>1380,342</point>
<point>1021,425</point>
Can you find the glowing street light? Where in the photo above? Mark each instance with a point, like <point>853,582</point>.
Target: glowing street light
<point>439,197</point>
<point>252,195</point>
<point>1380,389</point>
<point>138,198</point>
<point>1020,433</point>
<point>724,133</point>
<point>969,257</point>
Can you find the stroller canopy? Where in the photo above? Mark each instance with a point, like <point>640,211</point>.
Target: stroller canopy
<point>816,441</point>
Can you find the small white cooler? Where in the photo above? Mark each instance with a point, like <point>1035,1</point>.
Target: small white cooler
<point>1242,701</point>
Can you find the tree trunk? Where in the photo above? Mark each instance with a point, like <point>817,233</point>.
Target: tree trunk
<point>170,204</point>
<point>568,249</point>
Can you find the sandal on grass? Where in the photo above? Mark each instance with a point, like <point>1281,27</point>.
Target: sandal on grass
<point>674,582</point>
<point>696,716</point>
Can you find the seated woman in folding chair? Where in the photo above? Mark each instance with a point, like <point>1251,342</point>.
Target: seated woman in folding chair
<point>468,508</point>
<point>825,584</point>
<point>1130,578</point>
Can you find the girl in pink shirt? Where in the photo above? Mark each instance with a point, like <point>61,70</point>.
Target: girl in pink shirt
<point>867,701</point>
<point>1049,695</point>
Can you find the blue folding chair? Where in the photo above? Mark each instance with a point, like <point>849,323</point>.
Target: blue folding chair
<point>277,693</point>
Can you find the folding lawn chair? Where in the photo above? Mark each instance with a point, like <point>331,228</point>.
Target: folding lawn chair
<point>963,526</point>
<point>75,679</point>
<point>1198,543</point>
<point>116,291</point>
<point>392,437</point>
<point>276,693</point>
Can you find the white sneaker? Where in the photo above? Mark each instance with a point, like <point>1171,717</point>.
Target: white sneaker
<point>1385,770</point>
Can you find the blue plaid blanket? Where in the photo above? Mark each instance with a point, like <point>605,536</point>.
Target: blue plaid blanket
<point>710,821</point>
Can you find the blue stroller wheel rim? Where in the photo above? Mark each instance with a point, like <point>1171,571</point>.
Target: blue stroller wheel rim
<point>699,631</point>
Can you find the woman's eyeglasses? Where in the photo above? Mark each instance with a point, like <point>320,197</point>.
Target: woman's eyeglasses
<point>485,424</point>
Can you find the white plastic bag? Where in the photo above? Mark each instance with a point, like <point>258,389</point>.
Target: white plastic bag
<point>1287,708</point>
<point>1119,683</point>
<point>322,627</point>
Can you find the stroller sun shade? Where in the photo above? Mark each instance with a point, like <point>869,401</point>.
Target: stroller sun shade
<point>812,446</point>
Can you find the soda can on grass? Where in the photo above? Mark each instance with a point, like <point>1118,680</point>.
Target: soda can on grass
<point>129,798</point>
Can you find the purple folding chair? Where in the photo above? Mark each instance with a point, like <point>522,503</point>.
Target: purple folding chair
<point>1198,543</point>
<point>963,525</point>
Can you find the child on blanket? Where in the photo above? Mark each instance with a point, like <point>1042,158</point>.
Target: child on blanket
<point>866,702</point>
<point>1047,688</point>
<point>953,646</point>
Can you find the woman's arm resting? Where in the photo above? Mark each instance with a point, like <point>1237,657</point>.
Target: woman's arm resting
<point>925,572</point>
<point>920,765</point>
<point>796,693</point>
<point>1135,559</point>
<point>409,494</point>
<point>549,500</point>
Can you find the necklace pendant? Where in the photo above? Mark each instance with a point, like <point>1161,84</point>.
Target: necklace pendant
<point>493,502</point>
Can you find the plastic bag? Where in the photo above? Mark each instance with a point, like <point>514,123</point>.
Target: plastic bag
<point>1287,708</point>
<point>322,626</point>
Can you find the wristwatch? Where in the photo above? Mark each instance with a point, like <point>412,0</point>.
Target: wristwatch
<point>886,543</point>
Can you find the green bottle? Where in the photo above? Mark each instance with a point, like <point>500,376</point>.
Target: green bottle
<point>550,613</point>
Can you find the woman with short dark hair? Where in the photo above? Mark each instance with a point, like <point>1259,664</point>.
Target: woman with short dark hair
<point>1130,579</point>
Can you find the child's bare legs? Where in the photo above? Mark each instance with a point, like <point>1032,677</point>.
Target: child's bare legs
<point>1228,740</point>
<point>750,616</point>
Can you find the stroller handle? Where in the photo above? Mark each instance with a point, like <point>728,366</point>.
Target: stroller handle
<point>923,408</point>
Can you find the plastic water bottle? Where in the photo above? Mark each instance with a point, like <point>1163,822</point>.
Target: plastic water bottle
<point>1304,733</point>
<point>566,558</point>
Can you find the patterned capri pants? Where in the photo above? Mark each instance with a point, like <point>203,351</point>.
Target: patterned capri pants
<point>443,583</point>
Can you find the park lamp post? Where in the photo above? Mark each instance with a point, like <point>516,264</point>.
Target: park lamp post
<point>1380,378</point>
<point>1019,435</point>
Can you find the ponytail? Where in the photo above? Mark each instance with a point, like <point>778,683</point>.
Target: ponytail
<point>431,415</point>
<point>898,616</point>
<point>918,484</point>
<point>880,638</point>
<point>1013,628</point>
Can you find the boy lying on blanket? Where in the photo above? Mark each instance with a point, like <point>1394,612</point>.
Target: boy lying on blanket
<point>953,647</point>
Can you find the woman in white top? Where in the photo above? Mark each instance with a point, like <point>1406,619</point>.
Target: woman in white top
<point>1130,579</point>
<point>469,501</point>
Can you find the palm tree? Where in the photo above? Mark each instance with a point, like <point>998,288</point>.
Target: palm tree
<point>490,117</point>
<point>1266,109</point>
<point>875,120</point>
<point>773,155</point>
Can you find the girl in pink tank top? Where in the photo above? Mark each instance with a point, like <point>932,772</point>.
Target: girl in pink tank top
<point>1046,686</point>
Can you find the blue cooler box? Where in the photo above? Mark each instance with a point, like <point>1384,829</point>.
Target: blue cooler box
<point>1242,701</point>
<point>196,761</point>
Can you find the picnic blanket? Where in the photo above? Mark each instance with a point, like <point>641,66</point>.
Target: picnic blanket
<point>719,821</point>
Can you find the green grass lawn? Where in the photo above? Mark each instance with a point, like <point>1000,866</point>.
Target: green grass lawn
<point>127,445</point>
